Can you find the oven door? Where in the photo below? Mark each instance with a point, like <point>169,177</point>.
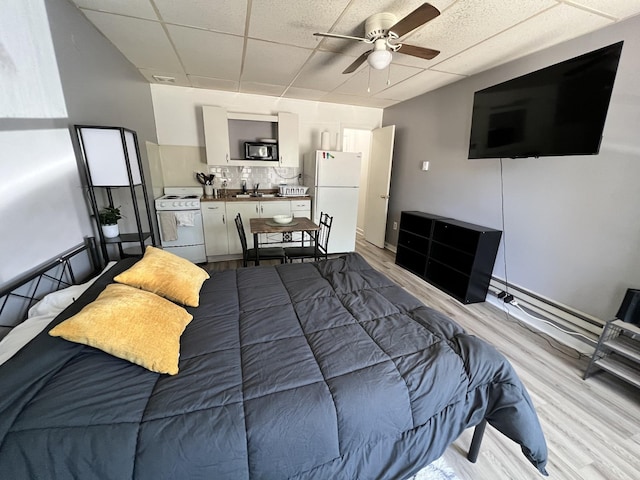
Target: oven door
<point>190,241</point>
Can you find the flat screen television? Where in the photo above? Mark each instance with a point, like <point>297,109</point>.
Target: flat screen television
<point>558,110</point>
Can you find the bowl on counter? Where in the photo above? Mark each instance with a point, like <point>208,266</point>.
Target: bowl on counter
<point>283,219</point>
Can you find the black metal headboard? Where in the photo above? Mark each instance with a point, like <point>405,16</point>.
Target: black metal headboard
<point>69,268</point>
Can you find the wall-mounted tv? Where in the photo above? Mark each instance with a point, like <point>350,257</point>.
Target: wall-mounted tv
<point>558,110</point>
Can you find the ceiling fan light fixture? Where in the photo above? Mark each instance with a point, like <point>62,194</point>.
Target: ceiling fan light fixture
<point>379,59</point>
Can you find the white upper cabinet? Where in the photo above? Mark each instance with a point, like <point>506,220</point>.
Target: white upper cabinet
<point>216,135</point>
<point>225,133</point>
<point>288,140</point>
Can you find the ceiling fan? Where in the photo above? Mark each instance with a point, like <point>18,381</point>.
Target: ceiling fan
<point>384,30</point>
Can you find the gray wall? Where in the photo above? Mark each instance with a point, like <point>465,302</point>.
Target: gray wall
<point>571,224</point>
<point>100,87</point>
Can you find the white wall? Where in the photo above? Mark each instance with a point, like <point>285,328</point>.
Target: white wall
<point>571,223</point>
<point>178,114</point>
<point>75,77</point>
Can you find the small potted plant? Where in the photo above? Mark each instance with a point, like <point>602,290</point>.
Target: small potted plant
<point>109,217</point>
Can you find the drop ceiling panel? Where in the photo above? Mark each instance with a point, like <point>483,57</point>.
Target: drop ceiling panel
<point>422,82</point>
<point>143,42</point>
<point>213,83</point>
<point>471,21</point>
<point>542,31</point>
<point>261,88</point>
<point>375,80</point>
<point>140,9</point>
<point>618,9</point>
<point>324,71</point>
<point>293,23</point>
<point>226,16</point>
<point>208,54</point>
<point>271,63</point>
<point>304,93</point>
<point>355,100</point>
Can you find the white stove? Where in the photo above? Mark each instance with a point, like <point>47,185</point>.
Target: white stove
<point>180,222</point>
<point>180,198</point>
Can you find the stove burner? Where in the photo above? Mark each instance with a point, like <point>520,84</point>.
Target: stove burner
<point>171,197</point>
<point>191,196</point>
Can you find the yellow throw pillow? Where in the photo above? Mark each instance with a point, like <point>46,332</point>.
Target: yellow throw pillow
<point>167,275</point>
<point>132,324</point>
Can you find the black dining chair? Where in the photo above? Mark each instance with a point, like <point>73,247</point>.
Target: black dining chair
<point>319,248</point>
<point>249,254</point>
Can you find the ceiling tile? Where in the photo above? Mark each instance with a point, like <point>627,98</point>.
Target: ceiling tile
<point>143,42</point>
<point>469,22</point>
<point>180,78</point>
<point>355,100</point>
<point>206,14</point>
<point>324,71</point>
<point>304,93</point>
<point>419,84</point>
<point>536,34</point>
<point>208,54</point>
<point>264,63</point>
<point>261,88</point>
<point>213,83</point>
<point>140,9</point>
<point>293,23</point>
<point>370,81</point>
<point>618,9</point>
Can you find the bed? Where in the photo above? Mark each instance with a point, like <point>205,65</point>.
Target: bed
<point>323,370</point>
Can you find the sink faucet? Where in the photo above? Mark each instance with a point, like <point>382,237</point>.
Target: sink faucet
<point>244,186</point>
<point>255,188</point>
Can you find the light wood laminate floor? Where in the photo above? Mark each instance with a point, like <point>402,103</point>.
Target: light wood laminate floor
<point>591,427</point>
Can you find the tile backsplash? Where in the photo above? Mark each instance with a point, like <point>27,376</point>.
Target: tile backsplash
<point>267,177</point>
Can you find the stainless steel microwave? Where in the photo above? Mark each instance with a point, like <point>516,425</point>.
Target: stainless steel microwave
<point>261,151</point>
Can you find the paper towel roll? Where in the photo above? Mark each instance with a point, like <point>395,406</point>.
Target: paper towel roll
<point>325,141</point>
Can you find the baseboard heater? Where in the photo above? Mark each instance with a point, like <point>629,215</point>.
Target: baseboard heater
<point>557,314</point>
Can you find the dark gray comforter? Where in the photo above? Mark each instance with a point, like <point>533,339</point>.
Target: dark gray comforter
<point>322,371</point>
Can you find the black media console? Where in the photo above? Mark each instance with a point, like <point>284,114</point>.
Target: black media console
<point>455,256</point>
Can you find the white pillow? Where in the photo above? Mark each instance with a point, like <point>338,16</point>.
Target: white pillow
<point>40,315</point>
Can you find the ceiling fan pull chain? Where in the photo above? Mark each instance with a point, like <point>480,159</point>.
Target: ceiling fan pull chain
<point>389,75</point>
<point>369,82</point>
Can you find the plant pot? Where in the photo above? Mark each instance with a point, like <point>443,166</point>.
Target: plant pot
<point>110,231</point>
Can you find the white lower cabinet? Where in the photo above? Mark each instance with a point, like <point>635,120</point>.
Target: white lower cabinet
<point>300,208</point>
<point>246,210</point>
<point>221,234</point>
<point>214,220</point>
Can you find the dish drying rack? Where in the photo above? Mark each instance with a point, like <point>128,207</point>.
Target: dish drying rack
<point>291,191</point>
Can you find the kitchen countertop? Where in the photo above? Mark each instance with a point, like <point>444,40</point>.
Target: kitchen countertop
<point>253,199</point>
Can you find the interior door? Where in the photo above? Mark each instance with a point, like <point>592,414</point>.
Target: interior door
<point>377,203</point>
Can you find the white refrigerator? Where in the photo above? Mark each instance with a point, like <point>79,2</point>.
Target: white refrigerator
<point>333,179</point>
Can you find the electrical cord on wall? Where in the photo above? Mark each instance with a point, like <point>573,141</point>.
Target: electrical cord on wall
<point>283,177</point>
<point>513,302</point>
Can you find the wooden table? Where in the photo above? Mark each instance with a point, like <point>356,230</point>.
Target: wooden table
<point>267,225</point>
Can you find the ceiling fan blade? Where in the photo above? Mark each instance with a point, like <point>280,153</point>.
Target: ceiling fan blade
<point>345,37</point>
<point>426,53</point>
<point>421,15</point>
<point>359,61</point>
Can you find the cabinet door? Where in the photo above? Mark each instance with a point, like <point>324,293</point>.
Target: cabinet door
<point>216,135</point>
<point>214,219</point>
<point>301,208</point>
<point>246,210</point>
<point>278,207</point>
<point>268,210</point>
<point>288,140</point>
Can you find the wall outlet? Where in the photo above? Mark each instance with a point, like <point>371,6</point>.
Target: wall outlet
<point>395,225</point>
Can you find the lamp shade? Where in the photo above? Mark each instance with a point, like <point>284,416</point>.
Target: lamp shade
<point>111,155</point>
<point>630,307</point>
<point>379,59</point>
